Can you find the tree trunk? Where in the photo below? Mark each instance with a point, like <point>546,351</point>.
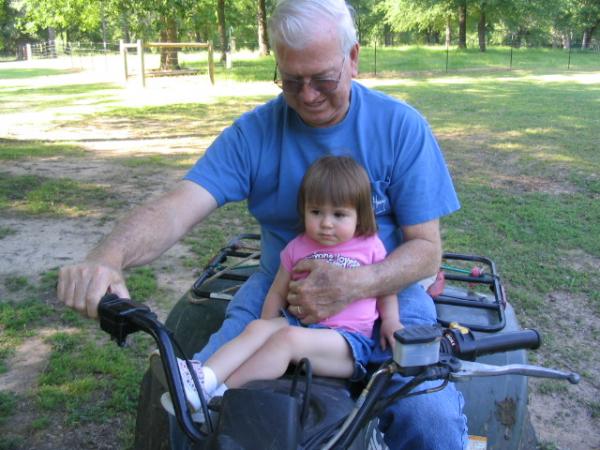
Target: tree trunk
<point>448,31</point>
<point>222,28</point>
<point>566,39</point>
<point>462,24</point>
<point>387,35</point>
<point>587,39</point>
<point>168,56</point>
<point>263,37</point>
<point>588,33</point>
<point>51,43</point>
<point>481,30</point>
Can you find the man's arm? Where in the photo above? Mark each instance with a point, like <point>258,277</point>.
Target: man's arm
<point>145,234</point>
<point>328,289</point>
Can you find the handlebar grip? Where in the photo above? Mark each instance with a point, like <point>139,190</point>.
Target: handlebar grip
<point>117,316</point>
<point>468,347</point>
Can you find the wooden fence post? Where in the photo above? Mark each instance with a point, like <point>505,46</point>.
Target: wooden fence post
<point>123,52</point>
<point>211,63</point>
<point>140,50</point>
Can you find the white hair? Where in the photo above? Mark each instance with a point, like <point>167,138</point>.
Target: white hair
<point>295,22</point>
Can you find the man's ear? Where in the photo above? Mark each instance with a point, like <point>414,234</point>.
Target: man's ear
<point>354,52</point>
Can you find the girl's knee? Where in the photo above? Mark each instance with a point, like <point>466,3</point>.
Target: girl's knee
<point>256,326</point>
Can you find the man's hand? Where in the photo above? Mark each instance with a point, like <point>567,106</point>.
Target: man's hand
<point>324,292</point>
<point>81,286</point>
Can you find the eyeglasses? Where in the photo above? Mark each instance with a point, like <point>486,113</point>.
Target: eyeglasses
<point>294,86</point>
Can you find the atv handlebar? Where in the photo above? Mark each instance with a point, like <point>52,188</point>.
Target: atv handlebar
<point>120,317</point>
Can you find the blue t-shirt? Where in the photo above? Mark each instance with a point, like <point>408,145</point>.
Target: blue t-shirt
<point>262,157</point>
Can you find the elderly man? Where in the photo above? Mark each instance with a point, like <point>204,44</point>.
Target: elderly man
<point>262,158</point>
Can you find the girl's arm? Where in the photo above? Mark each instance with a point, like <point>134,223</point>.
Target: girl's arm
<point>276,297</point>
<point>390,320</point>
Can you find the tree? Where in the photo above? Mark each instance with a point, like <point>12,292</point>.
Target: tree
<point>462,23</point>
<point>222,28</point>
<point>263,38</point>
<point>425,16</point>
<point>8,32</point>
<point>586,17</point>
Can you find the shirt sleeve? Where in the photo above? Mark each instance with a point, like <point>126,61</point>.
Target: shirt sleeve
<point>226,167</point>
<point>421,188</point>
<point>379,252</point>
<point>287,256</point>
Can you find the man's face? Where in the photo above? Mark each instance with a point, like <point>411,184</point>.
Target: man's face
<point>321,59</point>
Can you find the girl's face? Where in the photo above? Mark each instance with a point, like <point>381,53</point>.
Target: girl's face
<point>329,225</point>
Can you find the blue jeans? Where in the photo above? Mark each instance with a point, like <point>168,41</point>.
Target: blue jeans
<point>430,421</point>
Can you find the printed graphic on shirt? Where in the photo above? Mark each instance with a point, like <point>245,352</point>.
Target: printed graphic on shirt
<point>335,259</point>
<point>379,198</point>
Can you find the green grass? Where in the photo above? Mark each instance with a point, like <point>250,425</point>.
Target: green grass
<point>172,161</point>
<point>245,67</point>
<point>142,284</point>
<point>31,194</point>
<point>7,405</point>
<point>548,387</point>
<point>12,149</point>
<point>19,320</point>
<point>86,380</point>
<point>434,59</point>
<point>22,73</point>
<point>39,98</point>
<point>387,61</point>
<point>90,380</point>
<point>203,120</point>
<point>16,283</point>
<point>6,231</point>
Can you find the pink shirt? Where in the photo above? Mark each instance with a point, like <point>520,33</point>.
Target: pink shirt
<point>361,314</point>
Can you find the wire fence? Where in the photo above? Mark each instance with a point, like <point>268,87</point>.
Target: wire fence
<point>375,60</point>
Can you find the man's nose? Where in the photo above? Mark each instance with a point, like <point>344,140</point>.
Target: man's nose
<point>308,93</point>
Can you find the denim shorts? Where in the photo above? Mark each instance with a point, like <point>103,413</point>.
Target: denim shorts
<point>360,345</point>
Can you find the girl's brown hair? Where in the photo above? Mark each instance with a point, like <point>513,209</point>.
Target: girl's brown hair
<point>341,182</point>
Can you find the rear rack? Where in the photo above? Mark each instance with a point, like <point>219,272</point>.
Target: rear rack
<point>493,305</point>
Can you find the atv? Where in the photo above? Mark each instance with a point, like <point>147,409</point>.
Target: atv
<point>478,344</point>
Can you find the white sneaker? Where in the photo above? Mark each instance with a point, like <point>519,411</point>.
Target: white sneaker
<point>191,393</point>
<point>167,404</point>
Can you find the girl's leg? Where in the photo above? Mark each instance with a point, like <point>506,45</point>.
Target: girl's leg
<point>233,354</point>
<point>328,351</point>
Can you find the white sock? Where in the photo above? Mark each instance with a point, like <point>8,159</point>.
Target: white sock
<point>210,380</point>
<point>220,390</point>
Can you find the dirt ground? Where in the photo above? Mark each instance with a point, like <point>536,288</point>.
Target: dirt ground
<point>41,244</point>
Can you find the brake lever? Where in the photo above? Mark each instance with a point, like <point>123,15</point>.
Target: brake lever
<point>470,369</point>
